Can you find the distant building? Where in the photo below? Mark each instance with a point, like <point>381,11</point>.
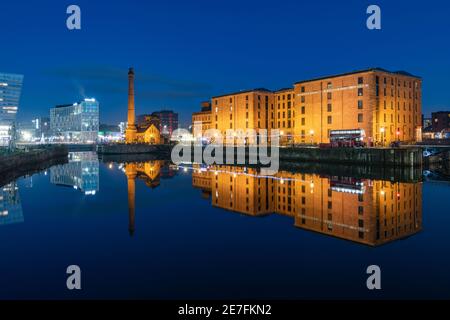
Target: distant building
<point>10,90</point>
<point>110,133</point>
<point>26,131</point>
<point>203,117</point>
<point>42,126</point>
<point>428,133</point>
<point>426,122</point>
<point>81,173</point>
<point>33,130</point>
<point>440,120</point>
<point>123,127</point>
<point>168,122</point>
<point>78,122</point>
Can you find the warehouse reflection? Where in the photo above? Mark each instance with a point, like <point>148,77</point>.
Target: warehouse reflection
<point>371,212</point>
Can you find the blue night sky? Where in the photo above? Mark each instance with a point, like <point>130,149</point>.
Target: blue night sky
<point>187,51</point>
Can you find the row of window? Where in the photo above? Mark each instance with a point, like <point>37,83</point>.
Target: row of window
<point>283,97</point>
<point>330,119</point>
<point>398,118</point>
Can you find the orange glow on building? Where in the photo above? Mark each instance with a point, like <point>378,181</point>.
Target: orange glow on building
<point>385,105</point>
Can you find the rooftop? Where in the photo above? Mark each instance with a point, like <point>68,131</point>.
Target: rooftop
<point>440,112</point>
<point>243,91</point>
<point>144,128</point>
<point>164,111</point>
<point>63,106</point>
<point>75,104</point>
<point>376,69</point>
<point>403,73</point>
<point>284,89</point>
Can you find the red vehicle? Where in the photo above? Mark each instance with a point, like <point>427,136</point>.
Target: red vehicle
<point>347,138</point>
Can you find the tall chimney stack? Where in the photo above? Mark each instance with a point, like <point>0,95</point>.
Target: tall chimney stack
<point>130,134</point>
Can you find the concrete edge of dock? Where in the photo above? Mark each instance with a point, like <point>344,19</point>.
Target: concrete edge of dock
<point>394,157</point>
<point>21,163</point>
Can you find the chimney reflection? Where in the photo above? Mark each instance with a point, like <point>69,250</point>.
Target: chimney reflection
<point>150,172</point>
<point>130,171</point>
<point>371,212</point>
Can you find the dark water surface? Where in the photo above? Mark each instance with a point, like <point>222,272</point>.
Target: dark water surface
<point>152,230</point>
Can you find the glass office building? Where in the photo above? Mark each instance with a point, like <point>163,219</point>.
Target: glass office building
<point>75,123</point>
<point>10,89</point>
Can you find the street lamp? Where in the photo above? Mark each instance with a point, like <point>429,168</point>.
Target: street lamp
<point>311,132</point>
<point>382,130</point>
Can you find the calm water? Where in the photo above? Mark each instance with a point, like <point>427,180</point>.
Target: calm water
<point>152,230</point>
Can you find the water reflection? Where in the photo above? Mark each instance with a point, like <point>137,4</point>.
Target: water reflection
<point>81,173</point>
<point>371,212</point>
<point>366,211</point>
<point>150,172</point>
<point>10,205</point>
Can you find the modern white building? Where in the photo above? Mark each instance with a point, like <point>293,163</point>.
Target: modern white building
<point>75,123</point>
<point>10,90</point>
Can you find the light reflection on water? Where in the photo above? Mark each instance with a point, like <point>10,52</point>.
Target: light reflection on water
<point>156,220</point>
<point>371,212</point>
